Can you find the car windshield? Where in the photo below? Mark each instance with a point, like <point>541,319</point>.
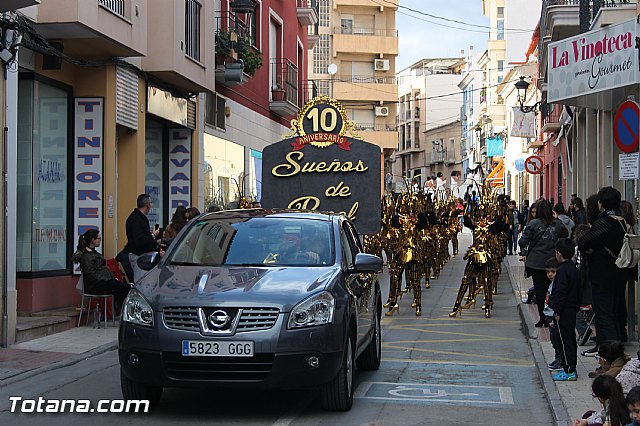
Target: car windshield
<point>256,241</point>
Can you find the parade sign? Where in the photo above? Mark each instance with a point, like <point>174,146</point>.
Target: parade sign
<point>591,62</point>
<point>319,167</point>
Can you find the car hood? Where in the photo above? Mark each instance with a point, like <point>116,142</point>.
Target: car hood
<point>279,287</point>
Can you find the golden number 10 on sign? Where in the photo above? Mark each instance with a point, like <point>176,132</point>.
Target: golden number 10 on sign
<point>322,118</point>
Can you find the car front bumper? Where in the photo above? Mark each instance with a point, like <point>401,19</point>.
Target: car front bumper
<point>281,357</point>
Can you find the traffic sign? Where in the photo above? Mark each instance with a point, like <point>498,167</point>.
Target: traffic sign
<point>625,126</point>
<point>533,164</point>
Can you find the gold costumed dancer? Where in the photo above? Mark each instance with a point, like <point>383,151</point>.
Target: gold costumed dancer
<point>486,218</point>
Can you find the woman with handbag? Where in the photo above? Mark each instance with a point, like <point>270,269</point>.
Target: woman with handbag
<point>537,245</point>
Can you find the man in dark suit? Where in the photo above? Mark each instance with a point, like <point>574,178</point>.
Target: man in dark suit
<point>140,238</point>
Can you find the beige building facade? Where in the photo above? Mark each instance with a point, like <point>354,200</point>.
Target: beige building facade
<point>354,63</point>
<point>93,132</point>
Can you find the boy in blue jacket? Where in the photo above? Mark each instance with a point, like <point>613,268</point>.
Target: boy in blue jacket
<point>565,302</point>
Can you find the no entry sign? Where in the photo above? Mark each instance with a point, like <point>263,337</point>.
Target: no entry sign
<point>625,126</point>
<point>533,164</point>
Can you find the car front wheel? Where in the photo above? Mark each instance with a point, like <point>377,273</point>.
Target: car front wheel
<point>136,390</point>
<point>337,395</point>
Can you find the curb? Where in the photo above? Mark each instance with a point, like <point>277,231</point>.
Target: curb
<point>60,364</point>
<point>558,409</point>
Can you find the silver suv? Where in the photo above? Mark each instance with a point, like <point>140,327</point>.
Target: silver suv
<point>258,298</point>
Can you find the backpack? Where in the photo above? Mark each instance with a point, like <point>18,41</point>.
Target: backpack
<point>628,257</point>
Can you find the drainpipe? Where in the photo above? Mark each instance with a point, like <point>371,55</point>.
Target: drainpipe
<point>5,279</point>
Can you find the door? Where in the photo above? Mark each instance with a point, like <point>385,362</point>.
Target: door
<point>360,285</point>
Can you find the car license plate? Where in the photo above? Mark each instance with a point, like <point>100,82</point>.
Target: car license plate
<point>237,348</point>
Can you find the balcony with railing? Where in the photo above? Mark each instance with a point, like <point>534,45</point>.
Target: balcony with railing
<point>365,40</point>
<point>237,57</point>
<point>365,88</point>
<point>308,90</point>
<point>95,28</point>
<point>438,156</point>
<point>284,87</point>
<point>307,11</point>
<point>550,117</point>
<point>608,12</point>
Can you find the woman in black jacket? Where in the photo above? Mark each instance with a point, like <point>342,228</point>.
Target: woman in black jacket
<point>537,245</point>
<point>97,278</point>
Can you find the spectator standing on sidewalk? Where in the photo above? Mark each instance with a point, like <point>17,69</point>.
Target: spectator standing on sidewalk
<point>554,336</point>
<point>560,214</point>
<point>601,243</point>
<point>586,308</point>
<point>591,208</point>
<point>578,214</point>
<point>565,302</point>
<point>140,238</point>
<point>524,212</point>
<point>626,211</point>
<point>537,244</point>
<point>514,220</point>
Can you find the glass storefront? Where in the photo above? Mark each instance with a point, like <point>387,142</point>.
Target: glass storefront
<point>43,184</point>
<point>224,172</point>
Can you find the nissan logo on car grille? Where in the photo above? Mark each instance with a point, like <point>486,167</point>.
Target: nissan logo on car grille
<point>218,319</point>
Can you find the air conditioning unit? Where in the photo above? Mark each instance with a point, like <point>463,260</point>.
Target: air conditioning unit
<point>382,111</point>
<point>381,64</point>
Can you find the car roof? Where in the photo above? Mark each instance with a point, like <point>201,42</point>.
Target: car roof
<point>276,213</point>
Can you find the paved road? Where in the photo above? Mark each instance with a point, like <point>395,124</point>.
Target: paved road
<point>435,370</point>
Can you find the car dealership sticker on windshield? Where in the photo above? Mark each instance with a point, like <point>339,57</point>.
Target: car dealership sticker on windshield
<point>324,165</point>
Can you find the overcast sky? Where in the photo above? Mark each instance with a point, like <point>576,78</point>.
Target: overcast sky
<point>421,39</point>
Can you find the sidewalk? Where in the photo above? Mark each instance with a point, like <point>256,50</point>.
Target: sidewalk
<point>568,400</point>
<point>47,353</point>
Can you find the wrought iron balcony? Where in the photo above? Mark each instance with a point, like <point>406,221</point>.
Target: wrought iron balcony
<point>364,31</point>
<point>284,87</point>
<point>551,117</point>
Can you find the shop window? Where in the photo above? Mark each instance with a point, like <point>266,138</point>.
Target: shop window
<point>43,178</point>
<point>225,173</point>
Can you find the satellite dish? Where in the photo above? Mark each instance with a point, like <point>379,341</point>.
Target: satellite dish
<point>332,69</point>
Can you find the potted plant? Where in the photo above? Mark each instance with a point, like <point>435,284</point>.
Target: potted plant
<point>241,49</point>
<point>277,92</point>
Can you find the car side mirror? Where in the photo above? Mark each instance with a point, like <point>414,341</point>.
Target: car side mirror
<point>366,262</point>
<point>148,261</point>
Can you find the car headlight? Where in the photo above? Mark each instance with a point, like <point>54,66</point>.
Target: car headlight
<point>316,310</point>
<point>137,310</point>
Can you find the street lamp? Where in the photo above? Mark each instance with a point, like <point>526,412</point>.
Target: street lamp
<point>522,86</point>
